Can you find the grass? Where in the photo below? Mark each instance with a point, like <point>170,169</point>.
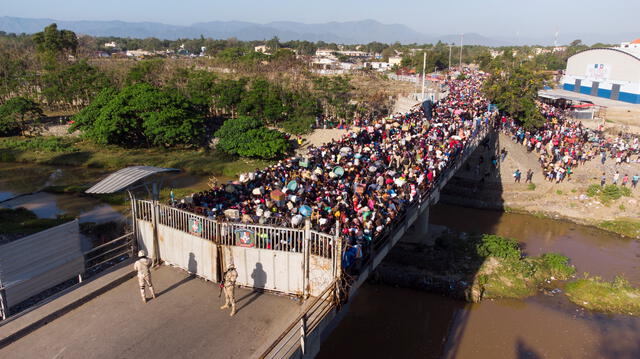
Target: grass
<point>505,273</point>
<point>617,296</point>
<point>74,152</point>
<point>559,192</point>
<point>22,222</point>
<point>608,193</point>
<point>627,227</point>
<point>531,187</point>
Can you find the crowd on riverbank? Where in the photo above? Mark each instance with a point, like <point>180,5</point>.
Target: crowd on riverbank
<point>563,144</point>
<point>360,183</point>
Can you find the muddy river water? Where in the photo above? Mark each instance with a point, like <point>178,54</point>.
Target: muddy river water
<point>387,322</point>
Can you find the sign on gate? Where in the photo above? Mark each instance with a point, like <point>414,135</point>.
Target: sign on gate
<point>245,237</point>
<point>195,225</point>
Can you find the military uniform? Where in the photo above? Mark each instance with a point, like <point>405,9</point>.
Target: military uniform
<point>142,266</point>
<point>228,286</point>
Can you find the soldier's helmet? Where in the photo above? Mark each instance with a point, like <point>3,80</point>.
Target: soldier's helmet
<point>142,253</point>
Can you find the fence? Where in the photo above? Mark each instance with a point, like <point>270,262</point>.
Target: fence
<point>289,260</point>
<point>292,343</point>
<point>38,262</point>
<point>48,258</point>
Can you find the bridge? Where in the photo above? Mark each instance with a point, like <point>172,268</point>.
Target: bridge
<point>293,286</point>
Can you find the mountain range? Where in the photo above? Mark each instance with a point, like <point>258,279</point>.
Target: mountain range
<point>350,32</point>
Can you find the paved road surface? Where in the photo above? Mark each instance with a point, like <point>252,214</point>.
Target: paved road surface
<point>183,322</point>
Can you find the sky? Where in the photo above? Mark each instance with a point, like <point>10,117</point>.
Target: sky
<point>509,18</point>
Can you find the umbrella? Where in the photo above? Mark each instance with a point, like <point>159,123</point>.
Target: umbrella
<point>230,188</point>
<point>292,185</point>
<point>338,171</point>
<point>305,211</point>
<point>277,195</point>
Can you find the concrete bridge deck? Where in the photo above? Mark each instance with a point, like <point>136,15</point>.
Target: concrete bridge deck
<point>183,322</point>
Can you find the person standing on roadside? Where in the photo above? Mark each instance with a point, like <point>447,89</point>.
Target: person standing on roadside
<point>228,286</point>
<point>142,266</point>
<point>616,176</point>
<point>603,179</point>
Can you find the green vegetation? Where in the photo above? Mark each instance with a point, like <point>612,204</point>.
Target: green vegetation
<point>141,115</point>
<point>625,227</point>
<point>300,126</point>
<point>248,137</point>
<point>19,115</point>
<point>87,154</point>
<point>608,193</point>
<point>505,273</point>
<point>22,222</point>
<point>39,144</point>
<point>617,296</point>
<point>515,91</point>
<point>559,192</point>
<point>531,187</point>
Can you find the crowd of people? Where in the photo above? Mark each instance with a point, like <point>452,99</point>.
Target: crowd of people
<point>564,144</point>
<point>360,183</point>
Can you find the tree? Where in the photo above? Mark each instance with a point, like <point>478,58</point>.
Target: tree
<point>73,85</point>
<point>52,43</point>
<point>515,93</point>
<point>247,137</point>
<point>19,115</point>
<point>146,71</point>
<point>141,115</point>
<point>262,101</point>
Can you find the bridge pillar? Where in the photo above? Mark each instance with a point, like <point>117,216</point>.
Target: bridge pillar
<point>419,230</point>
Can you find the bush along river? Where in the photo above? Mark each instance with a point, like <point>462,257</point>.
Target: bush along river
<point>420,302</point>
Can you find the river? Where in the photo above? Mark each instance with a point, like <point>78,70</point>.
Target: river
<point>387,322</point>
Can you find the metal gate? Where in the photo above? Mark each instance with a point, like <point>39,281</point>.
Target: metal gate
<point>594,88</point>
<point>577,85</point>
<point>615,91</point>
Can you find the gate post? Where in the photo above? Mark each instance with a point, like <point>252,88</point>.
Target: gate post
<point>4,306</point>
<point>306,257</point>
<point>154,223</point>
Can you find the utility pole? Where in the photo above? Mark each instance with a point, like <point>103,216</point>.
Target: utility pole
<point>461,38</point>
<point>424,65</point>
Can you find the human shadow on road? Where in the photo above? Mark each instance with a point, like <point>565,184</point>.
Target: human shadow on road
<point>259,277</point>
<point>192,267</point>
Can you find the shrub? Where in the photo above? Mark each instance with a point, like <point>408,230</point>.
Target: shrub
<point>497,246</point>
<point>531,187</point>
<point>557,265</point>
<point>248,137</point>
<point>48,144</point>
<point>298,126</point>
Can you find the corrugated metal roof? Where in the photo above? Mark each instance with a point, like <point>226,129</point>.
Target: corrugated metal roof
<point>125,177</point>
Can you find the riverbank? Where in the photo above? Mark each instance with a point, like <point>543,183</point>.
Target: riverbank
<point>472,267</point>
<point>579,200</point>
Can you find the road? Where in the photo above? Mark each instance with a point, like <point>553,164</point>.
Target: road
<point>183,322</point>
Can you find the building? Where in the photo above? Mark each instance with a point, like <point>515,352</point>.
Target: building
<point>395,60</point>
<point>612,73</point>
<point>262,49</point>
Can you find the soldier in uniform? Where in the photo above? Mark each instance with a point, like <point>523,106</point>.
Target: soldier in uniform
<point>228,286</point>
<point>142,266</point>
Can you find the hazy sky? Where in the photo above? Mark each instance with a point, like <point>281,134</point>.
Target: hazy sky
<point>487,17</point>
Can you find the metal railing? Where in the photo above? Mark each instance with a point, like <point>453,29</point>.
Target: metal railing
<point>226,233</point>
<point>108,254</point>
<point>296,335</point>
